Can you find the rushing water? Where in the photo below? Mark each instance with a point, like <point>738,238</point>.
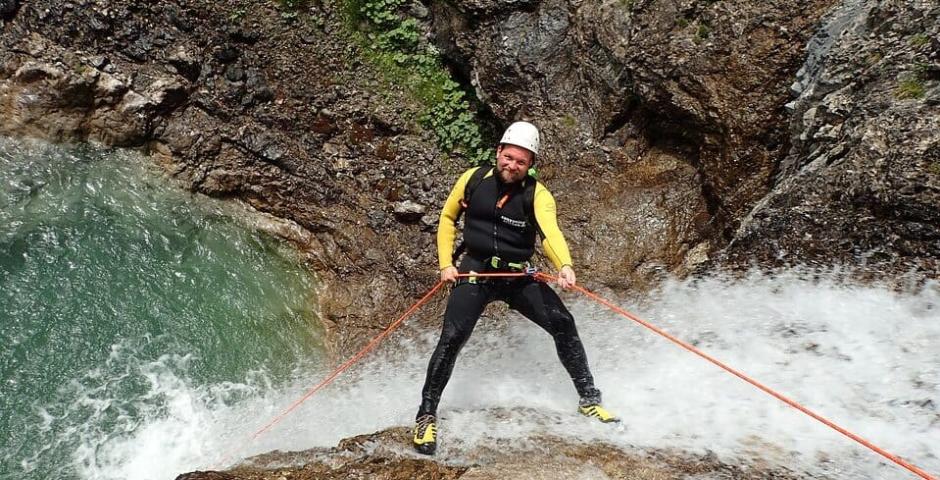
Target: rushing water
<point>865,357</point>
<point>126,306</point>
<point>144,335</point>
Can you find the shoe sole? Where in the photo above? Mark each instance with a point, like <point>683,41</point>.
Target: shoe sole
<point>425,449</point>
<point>612,420</point>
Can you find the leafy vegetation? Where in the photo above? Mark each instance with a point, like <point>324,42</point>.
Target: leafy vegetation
<point>912,84</point>
<point>293,5</point>
<point>238,14</point>
<point>394,42</point>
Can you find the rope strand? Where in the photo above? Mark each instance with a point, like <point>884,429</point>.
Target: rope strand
<point>349,363</point>
<point>545,277</point>
<point>894,458</point>
<point>329,379</point>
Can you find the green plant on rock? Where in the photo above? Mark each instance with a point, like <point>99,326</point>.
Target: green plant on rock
<point>381,13</point>
<point>922,70</point>
<point>920,40</point>
<point>317,21</point>
<point>454,124</point>
<point>394,42</point>
<point>569,121</point>
<point>237,14</point>
<point>910,88</point>
<point>293,5</point>
<point>703,32</point>
<point>404,38</point>
<point>291,9</point>
<point>934,168</point>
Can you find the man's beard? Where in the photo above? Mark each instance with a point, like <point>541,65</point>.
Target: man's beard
<point>507,177</point>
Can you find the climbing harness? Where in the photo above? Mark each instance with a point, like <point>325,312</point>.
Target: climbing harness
<point>531,271</point>
<point>497,263</point>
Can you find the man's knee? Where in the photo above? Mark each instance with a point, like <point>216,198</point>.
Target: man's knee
<point>562,324</point>
<point>452,342</point>
<point>455,334</point>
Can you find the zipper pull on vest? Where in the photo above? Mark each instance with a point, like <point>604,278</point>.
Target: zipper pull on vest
<point>502,201</point>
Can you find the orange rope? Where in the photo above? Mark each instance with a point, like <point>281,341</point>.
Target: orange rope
<point>543,277</point>
<point>830,424</point>
<point>342,368</point>
<point>355,358</point>
<point>462,275</point>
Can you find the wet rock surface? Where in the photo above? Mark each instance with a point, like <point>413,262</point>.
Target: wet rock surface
<point>387,454</point>
<point>671,129</point>
<point>665,120</point>
<point>860,184</point>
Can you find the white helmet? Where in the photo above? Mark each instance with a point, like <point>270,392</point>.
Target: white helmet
<point>522,134</point>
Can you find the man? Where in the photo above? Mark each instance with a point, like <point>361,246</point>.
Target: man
<point>505,207</point>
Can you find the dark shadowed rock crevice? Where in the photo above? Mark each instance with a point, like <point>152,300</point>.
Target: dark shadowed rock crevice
<point>8,8</point>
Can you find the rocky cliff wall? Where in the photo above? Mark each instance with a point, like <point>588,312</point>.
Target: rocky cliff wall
<point>249,101</point>
<point>664,118</point>
<point>678,133</point>
<point>860,184</point>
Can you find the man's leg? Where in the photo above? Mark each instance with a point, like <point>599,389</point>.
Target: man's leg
<point>539,303</point>
<point>464,307</point>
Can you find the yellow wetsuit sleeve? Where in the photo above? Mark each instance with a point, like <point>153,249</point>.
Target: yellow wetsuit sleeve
<point>447,226</point>
<point>553,241</point>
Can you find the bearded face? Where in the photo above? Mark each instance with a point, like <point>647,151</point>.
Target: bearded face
<point>513,162</point>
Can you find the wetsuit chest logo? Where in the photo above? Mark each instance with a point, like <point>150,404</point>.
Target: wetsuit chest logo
<point>513,222</point>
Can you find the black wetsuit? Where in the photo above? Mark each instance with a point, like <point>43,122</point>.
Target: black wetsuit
<point>533,299</point>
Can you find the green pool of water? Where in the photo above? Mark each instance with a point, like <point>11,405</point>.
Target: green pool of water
<point>112,279</point>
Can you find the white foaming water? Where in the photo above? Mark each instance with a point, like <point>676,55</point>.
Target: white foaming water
<point>866,358</point>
